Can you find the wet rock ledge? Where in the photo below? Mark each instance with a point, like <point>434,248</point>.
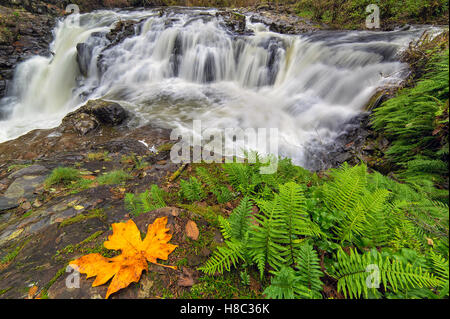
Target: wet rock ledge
<point>43,227</point>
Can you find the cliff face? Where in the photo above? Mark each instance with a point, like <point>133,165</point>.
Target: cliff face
<point>22,35</point>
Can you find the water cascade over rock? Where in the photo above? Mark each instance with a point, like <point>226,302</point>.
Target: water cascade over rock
<point>174,66</point>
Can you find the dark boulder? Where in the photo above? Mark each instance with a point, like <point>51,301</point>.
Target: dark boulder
<point>107,112</point>
<point>94,114</point>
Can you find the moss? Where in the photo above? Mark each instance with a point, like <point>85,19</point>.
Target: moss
<point>227,286</point>
<point>96,213</point>
<point>27,214</point>
<point>59,273</point>
<point>165,147</point>
<point>17,167</point>
<point>69,249</point>
<point>4,291</point>
<point>98,157</point>
<point>80,185</point>
<point>178,173</point>
<point>182,262</point>
<point>13,254</point>
<point>113,178</point>
<point>100,249</point>
<point>209,213</point>
<point>62,175</point>
<point>92,237</point>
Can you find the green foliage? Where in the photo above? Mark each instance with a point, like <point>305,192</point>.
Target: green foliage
<point>145,202</point>
<point>192,190</point>
<point>62,175</point>
<point>309,272</point>
<point>286,284</point>
<point>353,13</point>
<point>416,121</point>
<point>355,271</point>
<point>221,192</point>
<point>113,178</point>
<point>349,208</point>
<point>223,258</point>
<point>235,231</point>
<point>440,267</point>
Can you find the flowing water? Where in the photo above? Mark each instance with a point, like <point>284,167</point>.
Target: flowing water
<point>185,65</point>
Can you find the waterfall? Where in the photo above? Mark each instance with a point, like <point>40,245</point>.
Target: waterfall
<point>185,65</point>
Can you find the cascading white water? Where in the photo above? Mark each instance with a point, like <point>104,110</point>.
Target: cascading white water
<point>185,65</point>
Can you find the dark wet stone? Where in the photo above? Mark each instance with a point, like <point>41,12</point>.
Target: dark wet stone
<point>7,203</point>
<point>235,22</point>
<point>34,170</point>
<point>22,187</point>
<point>108,112</point>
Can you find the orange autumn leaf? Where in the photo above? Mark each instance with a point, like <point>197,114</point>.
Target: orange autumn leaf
<point>128,266</point>
<point>32,292</point>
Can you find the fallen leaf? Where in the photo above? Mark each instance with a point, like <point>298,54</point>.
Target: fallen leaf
<point>26,206</point>
<point>127,267</point>
<point>192,230</point>
<point>37,203</point>
<point>89,177</point>
<point>72,203</point>
<point>32,292</point>
<point>186,279</point>
<point>78,207</point>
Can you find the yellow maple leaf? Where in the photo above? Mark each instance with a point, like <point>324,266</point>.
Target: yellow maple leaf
<point>128,266</point>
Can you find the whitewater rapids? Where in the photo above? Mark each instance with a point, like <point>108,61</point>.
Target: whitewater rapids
<point>185,65</point>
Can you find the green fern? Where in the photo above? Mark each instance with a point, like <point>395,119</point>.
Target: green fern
<point>268,236</point>
<point>413,121</point>
<point>222,193</point>
<point>440,267</point>
<point>223,258</point>
<point>192,190</point>
<point>285,284</point>
<point>353,274</point>
<point>240,220</point>
<point>145,202</point>
<point>309,271</point>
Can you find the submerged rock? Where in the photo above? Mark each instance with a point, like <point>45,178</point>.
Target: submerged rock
<point>234,21</point>
<point>84,57</point>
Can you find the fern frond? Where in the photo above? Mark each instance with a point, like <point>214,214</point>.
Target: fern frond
<point>353,274</point>
<point>267,237</point>
<point>285,284</point>
<point>344,192</point>
<point>309,271</point>
<point>223,258</point>
<point>192,190</point>
<point>145,202</point>
<point>240,220</point>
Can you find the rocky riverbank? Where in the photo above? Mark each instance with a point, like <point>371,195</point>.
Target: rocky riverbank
<point>40,226</point>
